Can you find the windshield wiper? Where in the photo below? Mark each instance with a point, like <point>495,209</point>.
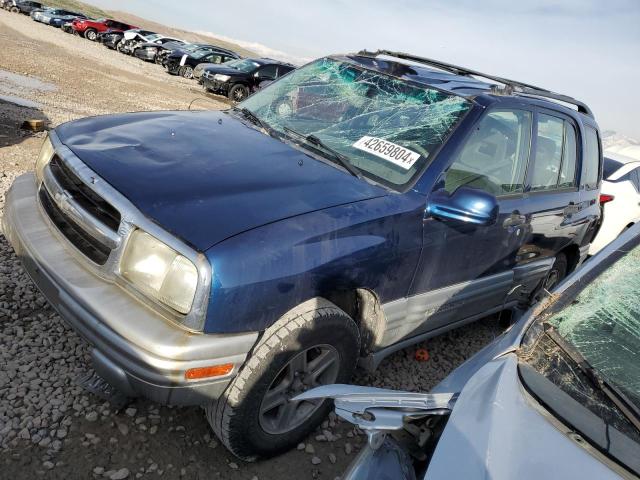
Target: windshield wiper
<point>341,159</point>
<point>257,121</point>
<point>629,409</point>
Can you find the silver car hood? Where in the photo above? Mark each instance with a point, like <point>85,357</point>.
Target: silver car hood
<point>496,432</point>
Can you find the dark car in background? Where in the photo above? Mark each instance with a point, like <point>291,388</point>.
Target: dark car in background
<point>67,27</point>
<point>26,7</point>
<point>58,20</point>
<point>110,38</point>
<point>262,251</point>
<point>89,29</point>
<point>169,48</point>
<point>182,63</point>
<point>556,396</point>
<point>238,79</point>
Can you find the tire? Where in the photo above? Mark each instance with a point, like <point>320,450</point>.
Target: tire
<point>248,427</point>
<point>557,272</point>
<point>14,10</point>
<point>186,71</point>
<point>90,34</point>
<point>238,92</point>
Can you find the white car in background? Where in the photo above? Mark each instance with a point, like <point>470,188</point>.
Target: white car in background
<point>619,197</point>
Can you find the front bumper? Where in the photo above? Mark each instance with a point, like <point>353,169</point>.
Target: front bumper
<point>214,85</point>
<point>132,347</point>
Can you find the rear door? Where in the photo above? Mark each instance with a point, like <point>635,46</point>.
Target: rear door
<point>559,214</point>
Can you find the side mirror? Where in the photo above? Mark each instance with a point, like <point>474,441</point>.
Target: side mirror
<point>466,205</point>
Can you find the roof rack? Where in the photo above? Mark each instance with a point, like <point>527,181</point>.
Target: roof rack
<point>518,87</point>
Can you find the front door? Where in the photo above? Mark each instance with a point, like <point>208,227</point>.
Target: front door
<point>466,270</point>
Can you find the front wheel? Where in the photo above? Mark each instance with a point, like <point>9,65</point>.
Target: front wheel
<point>314,344</point>
<point>15,9</point>
<point>237,93</point>
<point>91,34</point>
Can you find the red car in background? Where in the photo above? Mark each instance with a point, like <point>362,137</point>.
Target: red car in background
<point>89,28</point>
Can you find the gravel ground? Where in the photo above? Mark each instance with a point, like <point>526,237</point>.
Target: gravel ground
<point>51,427</point>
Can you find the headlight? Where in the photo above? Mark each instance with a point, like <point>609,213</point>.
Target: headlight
<point>221,78</point>
<point>159,271</point>
<point>44,157</point>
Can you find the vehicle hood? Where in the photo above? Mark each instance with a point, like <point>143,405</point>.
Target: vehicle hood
<point>495,433</point>
<point>206,176</point>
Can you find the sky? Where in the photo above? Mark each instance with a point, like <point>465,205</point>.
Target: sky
<point>587,49</point>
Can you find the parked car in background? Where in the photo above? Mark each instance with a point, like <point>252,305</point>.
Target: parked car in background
<point>148,51</point>
<point>238,79</point>
<point>560,389</point>
<point>67,27</point>
<point>37,13</point>
<point>90,28</point>
<point>619,198</point>
<point>129,46</point>
<point>27,6</point>
<point>182,63</point>
<point>58,20</point>
<point>10,5</point>
<point>167,49</point>
<point>133,37</point>
<point>58,15</point>
<point>262,251</point>
<point>110,38</point>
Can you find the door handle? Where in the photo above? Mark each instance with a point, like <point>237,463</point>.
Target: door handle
<point>514,220</point>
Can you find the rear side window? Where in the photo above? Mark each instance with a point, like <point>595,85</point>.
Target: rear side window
<point>591,159</point>
<point>568,169</point>
<point>494,158</point>
<point>268,71</point>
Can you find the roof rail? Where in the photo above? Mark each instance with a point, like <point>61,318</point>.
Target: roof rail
<point>518,87</point>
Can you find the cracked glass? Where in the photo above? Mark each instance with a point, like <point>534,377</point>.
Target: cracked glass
<point>386,127</point>
<point>603,324</point>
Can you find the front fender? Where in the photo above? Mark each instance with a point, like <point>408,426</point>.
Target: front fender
<point>263,273</point>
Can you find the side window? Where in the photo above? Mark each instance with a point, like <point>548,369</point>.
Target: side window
<point>591,159</point>
<point>568,169</point>
<point>268,71</point>
<point>495,156</point>
<point>548,156</point>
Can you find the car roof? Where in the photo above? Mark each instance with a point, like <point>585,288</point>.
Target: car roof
<point>269,61</point>
<point>460,81</point>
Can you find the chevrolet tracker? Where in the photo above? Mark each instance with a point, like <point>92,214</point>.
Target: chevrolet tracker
<point>357,205</point>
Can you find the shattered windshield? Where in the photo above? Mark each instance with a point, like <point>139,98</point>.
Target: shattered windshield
<point>603,324</point>
<point>386,127</point>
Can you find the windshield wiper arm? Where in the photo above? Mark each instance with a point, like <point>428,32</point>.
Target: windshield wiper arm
<point>629,409</point>
<point>341,159</point>
<point>253,118</point>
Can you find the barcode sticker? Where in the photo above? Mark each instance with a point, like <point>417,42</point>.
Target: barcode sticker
<point>391,152</point>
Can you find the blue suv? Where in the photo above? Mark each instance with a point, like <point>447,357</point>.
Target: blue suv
<point>359,204</point>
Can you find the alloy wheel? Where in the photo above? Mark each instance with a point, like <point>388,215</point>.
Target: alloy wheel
<point>315,366</point>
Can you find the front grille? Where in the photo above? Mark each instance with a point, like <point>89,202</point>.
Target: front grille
<point>85,243</point>
<point>95,205</point>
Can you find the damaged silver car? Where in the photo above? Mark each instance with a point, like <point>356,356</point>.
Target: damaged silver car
<point>556,396</point>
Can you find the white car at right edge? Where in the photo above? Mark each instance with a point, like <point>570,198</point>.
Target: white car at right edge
<point>619,198</point>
